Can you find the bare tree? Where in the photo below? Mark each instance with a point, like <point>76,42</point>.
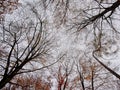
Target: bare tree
<point>94,19</point>
<point>100,18</point>
<point>25,43</point>
<point>105,14</point>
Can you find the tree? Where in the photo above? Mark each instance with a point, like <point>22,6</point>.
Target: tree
<point>93,76</point>
<point>98,20</point>
<point>25,43</point>
<point>93,18</point>
<point>86,29</point>
<point>28,82</point>
<point>102,17</point>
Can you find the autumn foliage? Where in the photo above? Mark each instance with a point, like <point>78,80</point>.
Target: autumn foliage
<point>28,83</point>
<point>7,6</point>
